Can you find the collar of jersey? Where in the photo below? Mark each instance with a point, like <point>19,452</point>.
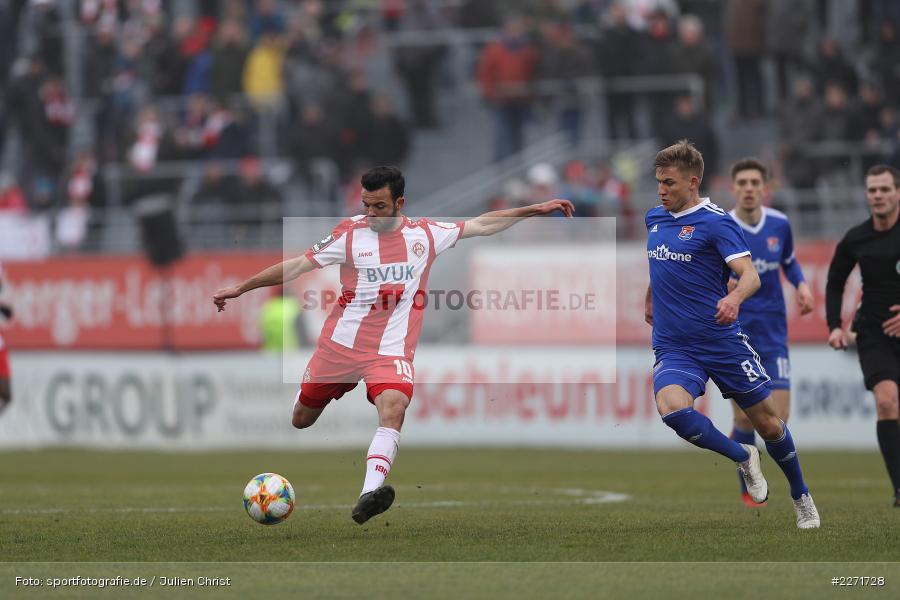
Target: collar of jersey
<point>746,226</point>
<point>687,211</point>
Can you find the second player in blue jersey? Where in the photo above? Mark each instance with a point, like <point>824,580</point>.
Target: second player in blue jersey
<point>763,316</point>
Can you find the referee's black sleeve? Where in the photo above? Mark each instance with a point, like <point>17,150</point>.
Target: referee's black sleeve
<point>841,265</point>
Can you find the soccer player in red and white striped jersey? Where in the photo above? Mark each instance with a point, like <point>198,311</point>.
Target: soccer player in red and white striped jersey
<point>372,332</point>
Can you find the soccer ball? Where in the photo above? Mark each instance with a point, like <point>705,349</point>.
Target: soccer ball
<point>269,498</point>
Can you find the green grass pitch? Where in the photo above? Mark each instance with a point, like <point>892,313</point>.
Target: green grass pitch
<point>467,523</point>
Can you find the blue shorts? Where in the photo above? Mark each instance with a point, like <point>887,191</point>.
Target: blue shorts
<point>731,363</point>
<point>768,336</point>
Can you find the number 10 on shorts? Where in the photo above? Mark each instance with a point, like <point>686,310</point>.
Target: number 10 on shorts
<point>784,367</point>
<point>403,368</point>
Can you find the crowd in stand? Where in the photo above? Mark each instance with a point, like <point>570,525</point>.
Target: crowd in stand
<point>160,82</point>
<point>160,86</point>
<point>592,186</point>
<point>828,109</point>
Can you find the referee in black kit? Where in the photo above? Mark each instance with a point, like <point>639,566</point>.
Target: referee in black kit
<point>875,245</point>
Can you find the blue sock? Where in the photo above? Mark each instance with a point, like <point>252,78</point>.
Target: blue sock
<point>698,429</point>
<point>742,436</point>
<point>785,454</point>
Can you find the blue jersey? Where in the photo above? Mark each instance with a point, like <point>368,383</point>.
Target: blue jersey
<point>772,248</point>
<point>688,253</point>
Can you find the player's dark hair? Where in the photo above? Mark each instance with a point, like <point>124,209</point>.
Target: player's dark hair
<point>746,164</point>
<point>882,169</point>
<point>377,177</point>
<point>683,156</point>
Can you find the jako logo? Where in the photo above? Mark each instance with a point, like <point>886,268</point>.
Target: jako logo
<point>362,254</point>
<point>381,469</point>
<point>662,253</point>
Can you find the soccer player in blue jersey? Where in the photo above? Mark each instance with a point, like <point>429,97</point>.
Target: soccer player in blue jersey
<point>763,317</point>
<point>693,246</point>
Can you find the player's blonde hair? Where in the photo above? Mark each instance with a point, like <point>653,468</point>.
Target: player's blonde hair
<point>683,156</point>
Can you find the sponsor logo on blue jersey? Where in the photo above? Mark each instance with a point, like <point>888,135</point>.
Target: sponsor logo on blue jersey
<point>662,252</point>
<point>764,266</point>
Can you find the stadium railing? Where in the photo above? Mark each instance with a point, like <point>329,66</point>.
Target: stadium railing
<point>825,212</point>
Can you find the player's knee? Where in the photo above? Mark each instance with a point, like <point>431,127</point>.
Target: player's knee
<point>301,419</point>
<point>667,405</point>
<point>672,398</point>
<point>769,427</point>
<point>391,409</point>
<point>886,406</point>
<point>392,415</point>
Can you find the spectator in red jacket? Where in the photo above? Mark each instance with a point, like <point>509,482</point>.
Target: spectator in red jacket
<point>506,73</point>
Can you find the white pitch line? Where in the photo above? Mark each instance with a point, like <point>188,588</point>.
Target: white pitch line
<point>577,496</point>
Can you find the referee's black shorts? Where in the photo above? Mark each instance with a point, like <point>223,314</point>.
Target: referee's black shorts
<point>879,357</point>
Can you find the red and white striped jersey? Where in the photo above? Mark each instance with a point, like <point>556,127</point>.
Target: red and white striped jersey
<point>384,278</point>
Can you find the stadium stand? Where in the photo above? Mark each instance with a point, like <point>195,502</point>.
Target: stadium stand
<point>241,112</point>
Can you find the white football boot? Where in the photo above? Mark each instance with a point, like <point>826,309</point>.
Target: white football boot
<point>750,470</point>
<point>807,515</point>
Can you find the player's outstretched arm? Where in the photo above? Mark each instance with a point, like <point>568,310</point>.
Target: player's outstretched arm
<point>747,285</point>
<point>498,220</point>
<point>275,275</point>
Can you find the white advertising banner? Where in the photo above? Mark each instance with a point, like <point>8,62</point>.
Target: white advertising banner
<point>24,237</point>
<point>200,401</point>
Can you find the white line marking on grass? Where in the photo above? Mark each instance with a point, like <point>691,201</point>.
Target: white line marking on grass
<point>575,496</point>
